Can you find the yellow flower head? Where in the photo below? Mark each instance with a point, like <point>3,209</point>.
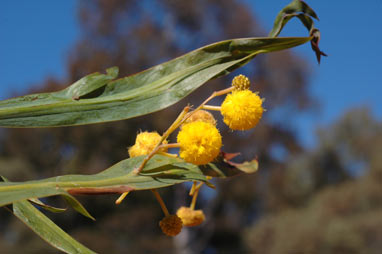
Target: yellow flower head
<point>171,225</point>
<point>145,143</point>
<point>241,82</point>
<point>190,217</point>
<point>201,115</point>
<point>200,142</point>
<point>242,110</point>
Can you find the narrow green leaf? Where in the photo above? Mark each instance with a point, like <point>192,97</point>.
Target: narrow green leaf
<point>96,98</point>
<point>11,192</point>
<point>160,171</point>
<point>47,229</point>
<point>49,208</point>
<point>73,202</point>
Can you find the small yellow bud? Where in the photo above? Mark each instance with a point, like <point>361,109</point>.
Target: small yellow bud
<point>171,225</point>
<point>242,110</point>
<point>241,82</point>
<point>201,115</point>
<point>199,142</point>
<point>145,143</point>
<point>190,217</point>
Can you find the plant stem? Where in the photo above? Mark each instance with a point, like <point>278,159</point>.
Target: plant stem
<point>121,198</point>
<point>192,190</point>
<point>195,196</point>
<point>215,108</point>
<point>171,155</point>
<point>213,95</point>
<point>161,203</point>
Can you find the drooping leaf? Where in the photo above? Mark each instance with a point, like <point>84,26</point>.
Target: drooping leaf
<point>304,13</point>
<point>47,229</point>
<point>294,9</point>
<point>316,34</point>
<point>139,94</point>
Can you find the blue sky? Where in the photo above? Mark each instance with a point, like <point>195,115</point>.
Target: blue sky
<point>349,77</point>
<point>35,39</point>
<point>37,35</point>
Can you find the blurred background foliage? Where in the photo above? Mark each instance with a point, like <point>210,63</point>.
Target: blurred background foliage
<point>327,199</point>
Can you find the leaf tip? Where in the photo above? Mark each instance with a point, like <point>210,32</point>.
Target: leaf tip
<point>316,36</point>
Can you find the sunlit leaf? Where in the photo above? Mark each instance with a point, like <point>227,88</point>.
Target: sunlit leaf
<point>96,98</point>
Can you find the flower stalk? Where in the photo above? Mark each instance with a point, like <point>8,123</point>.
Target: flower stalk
<point>161,203</point>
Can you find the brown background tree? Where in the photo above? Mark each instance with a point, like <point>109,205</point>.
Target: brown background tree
<point>342,218</point>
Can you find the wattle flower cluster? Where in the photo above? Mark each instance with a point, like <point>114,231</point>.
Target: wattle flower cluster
<point>145,142</point>
<point>190,217</point>
<point>242,110</point>
<point>199,142</point>
<point>171,225</point>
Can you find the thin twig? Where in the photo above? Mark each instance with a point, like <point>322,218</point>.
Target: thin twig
<point>183,116</point>
<point>161,203</point>
<point>214,108</point>
<point>195,196</point>
<point>121,198</point>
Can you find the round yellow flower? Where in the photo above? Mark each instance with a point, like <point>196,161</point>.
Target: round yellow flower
<point>190,217</point>
<point>242,110</point>
<point>201,115</point>
<point>200,142</point>
<point>171,225</point>
<point>241,82</point>
<point>145,143</point>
